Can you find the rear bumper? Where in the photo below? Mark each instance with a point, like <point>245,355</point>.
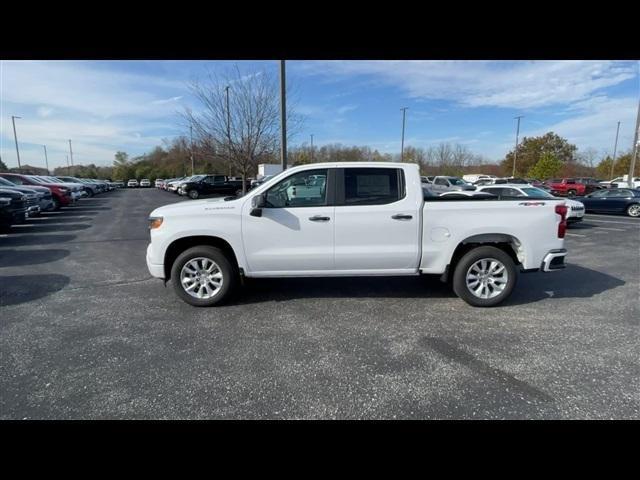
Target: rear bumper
<point>554,260</point>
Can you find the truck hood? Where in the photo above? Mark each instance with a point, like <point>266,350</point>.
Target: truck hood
<point>195,206</point>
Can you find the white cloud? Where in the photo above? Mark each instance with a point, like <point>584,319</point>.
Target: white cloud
<point>44,112</point>
<point>524,84</point>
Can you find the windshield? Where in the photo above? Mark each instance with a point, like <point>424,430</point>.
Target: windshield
<point>536,192</point>
<point>196,178</point>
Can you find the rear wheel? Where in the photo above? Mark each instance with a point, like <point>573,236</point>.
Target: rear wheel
<point>571,193</point>
<point>193,194</point>
<point>203,276</point>
<point>485,276</point>
<point>633,210</point>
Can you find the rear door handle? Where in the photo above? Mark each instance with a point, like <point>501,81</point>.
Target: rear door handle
<point>400,216</point>
<point>319,218</point>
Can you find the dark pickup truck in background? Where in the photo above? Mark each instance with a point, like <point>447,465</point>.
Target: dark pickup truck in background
<point>202,185</point>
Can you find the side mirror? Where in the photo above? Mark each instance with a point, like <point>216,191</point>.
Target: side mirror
<point>257,204</point>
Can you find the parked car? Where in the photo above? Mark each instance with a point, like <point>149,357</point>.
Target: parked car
<point>622,182</point>
<point>145,182</point>
<point>132,183</point>
<point>90,187</point>
<point>44,193</point>
<point>118,184</point>
<point>158,183</point>
<point>475,177</point>
<point>173,185</point>
<point>200,185</point>
<point>447,184</point>
<point>384,226</point>
<point>62,195</point>
<point>615,200</point>
<point>77,189</point>
<point>568,187</point>
<point>259,181</point>
<point>14,207</point>
<point>576,208</point>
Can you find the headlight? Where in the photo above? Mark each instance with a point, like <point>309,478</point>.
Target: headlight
<point>155,222</point>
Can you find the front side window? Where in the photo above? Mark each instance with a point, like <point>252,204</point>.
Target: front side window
<point>599,194</point>
<point>456,181</point>
<point>219,179</point>
<point>442,181</point>
<point>372,186</point>
<point>304,189</point>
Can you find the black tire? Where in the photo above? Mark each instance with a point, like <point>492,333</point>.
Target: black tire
<point>571,193</point>
<point>229,275</point>
<point>193,194</point>
<point>633,210</point>
<point>469,259</point>
<point>56,205</point>
<point>89,193</point>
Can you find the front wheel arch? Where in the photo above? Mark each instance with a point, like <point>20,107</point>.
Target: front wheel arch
<point>181,244</point>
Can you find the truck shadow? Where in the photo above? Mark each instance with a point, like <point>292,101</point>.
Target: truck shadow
<point>25,288</point>
<point>22,240</point>
<point>573,282</point>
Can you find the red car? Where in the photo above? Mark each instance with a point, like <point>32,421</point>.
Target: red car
<point>61,194</point>
<point>569,187</point>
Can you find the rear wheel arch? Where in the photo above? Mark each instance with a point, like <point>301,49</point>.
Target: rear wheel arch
<point>181,244</point>
<point>508,243</point>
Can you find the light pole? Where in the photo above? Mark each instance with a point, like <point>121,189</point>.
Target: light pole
<point>71,152</point>
<point>404,112</point>
<point>312,148</point>
<point>68,168</point>
<point>515,153</point>
<point>615,150</point>
<point>632,166</point>
<point>15,136</point>
<point>46,160</point>
<point>283,116</point>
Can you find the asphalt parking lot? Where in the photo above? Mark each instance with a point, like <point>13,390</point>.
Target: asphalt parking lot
<point>87,333</point>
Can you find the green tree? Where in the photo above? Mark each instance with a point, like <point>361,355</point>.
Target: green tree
<point>621,167</point>
<point>531,149</point>
<point>547,167</point>
<point>3,167</point>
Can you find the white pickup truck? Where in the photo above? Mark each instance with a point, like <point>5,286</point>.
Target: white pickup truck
<point>354,219</point>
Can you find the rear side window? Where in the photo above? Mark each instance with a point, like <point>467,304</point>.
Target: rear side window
<point>372,186</point>
<point>442,181</point>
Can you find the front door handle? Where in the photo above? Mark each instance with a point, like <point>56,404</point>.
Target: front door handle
<point>400,216</point>
<point>319,218</point>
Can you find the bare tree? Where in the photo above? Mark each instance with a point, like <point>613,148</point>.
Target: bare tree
<point>248,131</point>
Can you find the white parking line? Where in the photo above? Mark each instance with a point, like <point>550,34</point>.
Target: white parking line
<point>575,235</point>
<point>612,229</point>
<point>634,224</point>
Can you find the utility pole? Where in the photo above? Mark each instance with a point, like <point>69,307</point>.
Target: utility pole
<point>71,152</point>
<point>283,117</point>
<point>404,112</point>
<point>632,167</point>
<point>191,151</point>
<point>45,158</point>
<point>15,136</point>
<point>228,131</point>
<point>68,168</point>
<point>312,148</point>
<point>615,150</point>
<point>515,153</point>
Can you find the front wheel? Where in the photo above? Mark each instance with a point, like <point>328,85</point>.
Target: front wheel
<point>203,276</point>
<point>571,193</point>
<point>485,277</point>
<point>633,210</point>
<point>193,194</point>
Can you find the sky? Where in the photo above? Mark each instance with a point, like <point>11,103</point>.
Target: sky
<point>106,106</point>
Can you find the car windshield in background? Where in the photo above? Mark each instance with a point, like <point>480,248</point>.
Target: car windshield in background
<point>536,192</point>
<point>196,178</point>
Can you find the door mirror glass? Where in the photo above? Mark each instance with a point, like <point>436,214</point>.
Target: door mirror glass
<point>257,204</point>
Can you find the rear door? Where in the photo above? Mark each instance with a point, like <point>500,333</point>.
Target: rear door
<point>617,199</point>
<point>377,223</point>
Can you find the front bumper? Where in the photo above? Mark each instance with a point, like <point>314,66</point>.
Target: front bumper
<point>554,260</point>
<point>156,270</point>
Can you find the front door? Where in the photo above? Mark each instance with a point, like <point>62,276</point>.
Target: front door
<point>294,235</point>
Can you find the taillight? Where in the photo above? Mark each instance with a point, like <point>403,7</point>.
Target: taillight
<point>562,226</point>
